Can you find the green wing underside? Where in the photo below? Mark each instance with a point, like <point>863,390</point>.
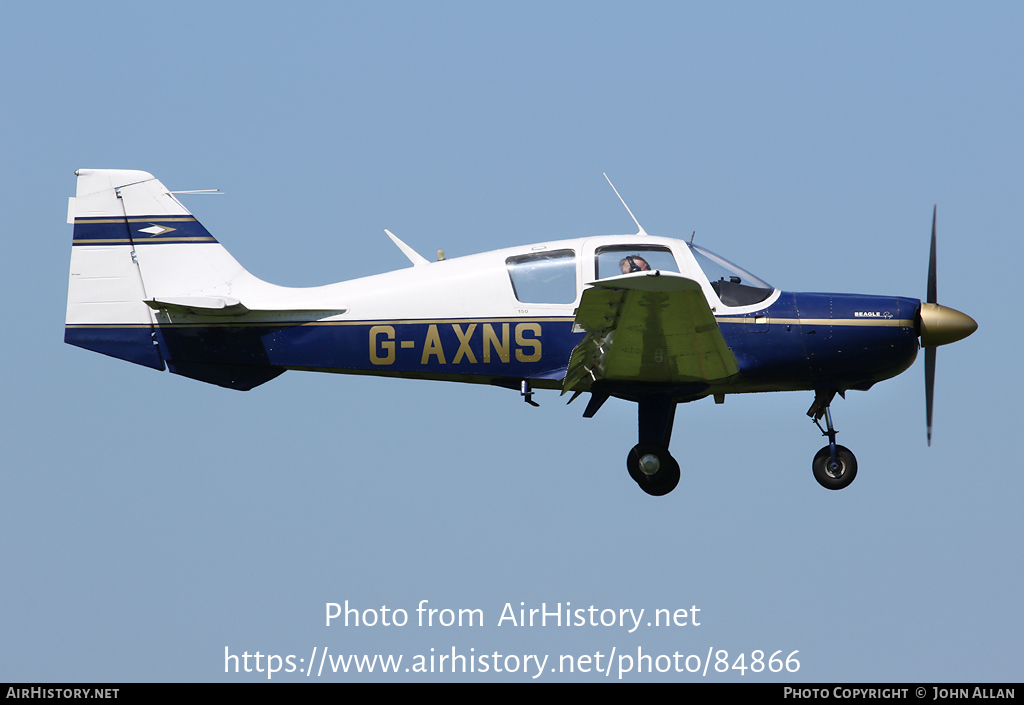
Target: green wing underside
<point>649,327</point>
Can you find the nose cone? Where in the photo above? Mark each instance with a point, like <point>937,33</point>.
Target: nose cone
<point>941,325</point>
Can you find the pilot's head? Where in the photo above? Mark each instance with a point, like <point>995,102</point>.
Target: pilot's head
<point>634,263</point>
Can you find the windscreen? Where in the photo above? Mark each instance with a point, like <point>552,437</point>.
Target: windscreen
<point>735,286</point>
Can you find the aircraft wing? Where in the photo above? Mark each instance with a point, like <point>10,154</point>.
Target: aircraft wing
<point>647,327</point>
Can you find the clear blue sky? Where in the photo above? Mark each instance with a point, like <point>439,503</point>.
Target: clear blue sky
<point>150,521</point>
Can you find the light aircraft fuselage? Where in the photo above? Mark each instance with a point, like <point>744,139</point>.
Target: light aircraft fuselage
<point>654,320</point>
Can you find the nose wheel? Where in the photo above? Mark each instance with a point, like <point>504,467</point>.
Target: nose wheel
<point>835,467</point>
<point>834,474</point>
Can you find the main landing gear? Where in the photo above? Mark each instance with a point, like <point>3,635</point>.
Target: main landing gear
<point>835,467</point>
<point>650,464</point>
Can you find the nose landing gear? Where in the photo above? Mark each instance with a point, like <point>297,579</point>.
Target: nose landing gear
<point>834,474</point>
<point>835,467</point>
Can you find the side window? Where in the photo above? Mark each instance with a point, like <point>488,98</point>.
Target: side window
<point>544,277</point>
<point>622,259</point>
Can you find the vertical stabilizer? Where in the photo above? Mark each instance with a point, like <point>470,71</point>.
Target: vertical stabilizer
<point>149,284</point>
<point>134,243</point>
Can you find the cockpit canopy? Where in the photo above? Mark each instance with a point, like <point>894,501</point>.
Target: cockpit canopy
<point>550,277</point>
<point>735,286</point>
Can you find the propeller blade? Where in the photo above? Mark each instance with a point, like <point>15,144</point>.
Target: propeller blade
<point>929,353</point>
<point>932,294</point>
<point>938,325</point>
<point>929,386</point>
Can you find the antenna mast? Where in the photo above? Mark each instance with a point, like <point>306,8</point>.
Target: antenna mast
<point>640,228</point>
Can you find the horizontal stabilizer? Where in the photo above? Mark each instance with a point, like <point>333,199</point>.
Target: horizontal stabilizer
<point>202,305</point>
<point>227,306</point>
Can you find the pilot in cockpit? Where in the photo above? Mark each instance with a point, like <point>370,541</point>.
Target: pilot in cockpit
<point>634,263</point>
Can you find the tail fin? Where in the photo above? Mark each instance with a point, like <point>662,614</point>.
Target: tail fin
<point>136,249</point>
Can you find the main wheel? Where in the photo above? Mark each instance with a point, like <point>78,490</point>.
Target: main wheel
<point>653,468</point>
<point>834,476</point>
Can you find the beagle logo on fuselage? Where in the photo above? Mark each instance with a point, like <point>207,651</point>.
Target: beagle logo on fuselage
<point>473,343</point>
<point>871,314</point>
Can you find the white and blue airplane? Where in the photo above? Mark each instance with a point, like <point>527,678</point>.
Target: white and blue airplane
<point>649,319</point>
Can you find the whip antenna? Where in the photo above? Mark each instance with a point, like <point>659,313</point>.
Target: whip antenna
<point>639,227</point>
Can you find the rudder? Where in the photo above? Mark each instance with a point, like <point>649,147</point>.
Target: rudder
<point>106,309</point>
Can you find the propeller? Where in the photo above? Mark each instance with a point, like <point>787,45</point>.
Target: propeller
<point>929,353</point>
<point>939,325</point>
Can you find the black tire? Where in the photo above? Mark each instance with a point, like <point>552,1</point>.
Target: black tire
<point>832,479</point>
<point>664,480</point>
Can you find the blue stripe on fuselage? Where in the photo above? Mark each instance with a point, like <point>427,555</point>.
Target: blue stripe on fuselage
<point>527,349</point>
<point>801,341</point>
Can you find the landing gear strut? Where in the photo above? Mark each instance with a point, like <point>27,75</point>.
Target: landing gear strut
<point>650,464</point>
<point>835,467</point>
